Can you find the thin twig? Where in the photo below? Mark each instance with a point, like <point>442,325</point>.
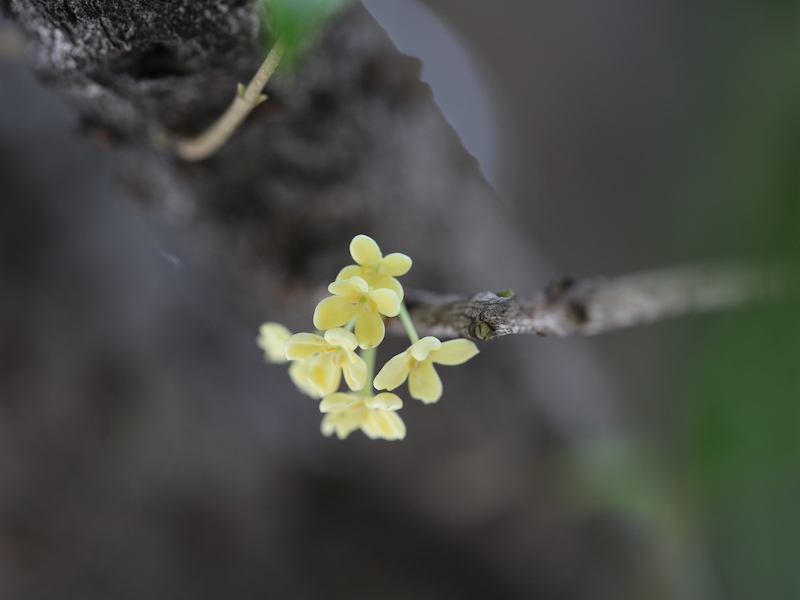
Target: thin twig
<point>246,100</point>
<point>596,305</point>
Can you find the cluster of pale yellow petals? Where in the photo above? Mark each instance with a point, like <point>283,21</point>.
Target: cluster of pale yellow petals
<point>353,299</point>
<point>375,415</point>
<point>323,360</point>
<point>272,338</point>
<point>363,294</point>
<point>377,270</point>
<point>416,365</point>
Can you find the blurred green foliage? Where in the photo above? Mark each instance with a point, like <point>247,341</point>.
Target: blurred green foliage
<point>744,453</point>
<point>742,457</point>
<point>722,503</point>
<point>297,23</point>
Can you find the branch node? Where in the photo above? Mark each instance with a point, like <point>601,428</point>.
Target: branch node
<point>484,331</point>
<point>577,312</point>
<point>556,289</point>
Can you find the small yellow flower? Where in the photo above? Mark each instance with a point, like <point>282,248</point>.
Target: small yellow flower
<point>324,360</point>
<point>353,298</point>
<point>271,339</point>
<point>376,415</point>
<point>377,270</point>
<point>416,364</point>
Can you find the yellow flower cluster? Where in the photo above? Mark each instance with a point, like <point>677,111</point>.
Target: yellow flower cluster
<point>353,318</point>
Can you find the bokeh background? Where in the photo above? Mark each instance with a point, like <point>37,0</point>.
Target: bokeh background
<point>648,134</point>
<point>620,136</point>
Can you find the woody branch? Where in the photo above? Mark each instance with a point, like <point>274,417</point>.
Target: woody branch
<point>596,305</point>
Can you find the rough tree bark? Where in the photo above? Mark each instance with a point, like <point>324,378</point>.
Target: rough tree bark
<point>163,478</point>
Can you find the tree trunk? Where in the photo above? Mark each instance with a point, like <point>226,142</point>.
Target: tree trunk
<point>152,454</point>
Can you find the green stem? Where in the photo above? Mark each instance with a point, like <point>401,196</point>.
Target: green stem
<point>408,324</point>
<point>245,100</point>
<point>369,358</point>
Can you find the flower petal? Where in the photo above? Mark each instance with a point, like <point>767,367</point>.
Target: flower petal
<point>369,330</point>
<point>386,301</point>
<point>454,352</point>
<point>424,383</point>
<point>298,371</point>
<point>424,347</point>
<point>389,283</point>
<point>365,250</point>
<point>355,374</point>
<point>333,311</point>
<point>393,373</point>
<point>271,339</point>
<point>323,374</point>
<point>384,424</point>
<point>354,286</point>
<point>350,271</point>
<point>384,401</point>
<point>303,345</point>
<point>343,423</point>
<point>340,401</point>
<point>341,337</point>
<point>396,264</point>
<point>328,425</point>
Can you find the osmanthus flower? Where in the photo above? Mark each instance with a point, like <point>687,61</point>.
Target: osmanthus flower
<point>354,298</point>
<point>377,270</point>
<point>416,365</point>
<point>376,415</point>
<point>325,359</point>
<point>272,339</point>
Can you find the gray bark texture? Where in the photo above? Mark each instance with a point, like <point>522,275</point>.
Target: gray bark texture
<point>147,451</point>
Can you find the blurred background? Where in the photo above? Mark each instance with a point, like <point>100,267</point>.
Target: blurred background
<point>636,135</point>
<point>620,137</point>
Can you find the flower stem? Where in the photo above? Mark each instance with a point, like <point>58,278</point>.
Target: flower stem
<point>408,324</point>
<point>246,100</point>
<point>369,358</point>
